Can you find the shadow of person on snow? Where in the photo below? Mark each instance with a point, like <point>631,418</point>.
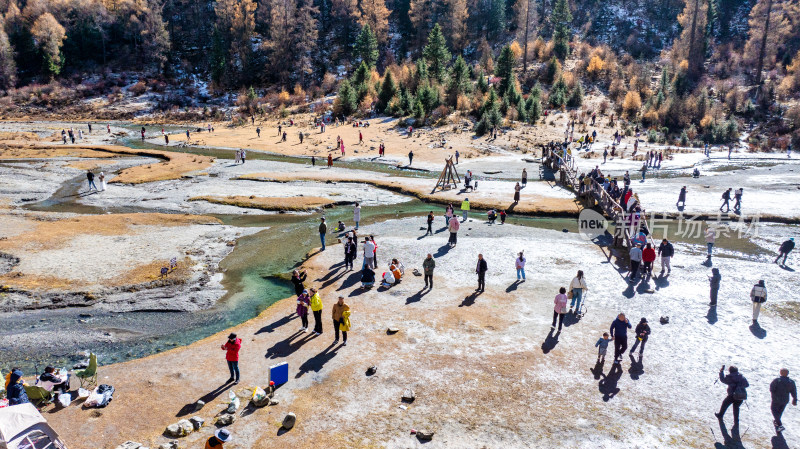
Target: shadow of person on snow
<point>730,440</point>
<point>551,341</point>
<point>318,361</point>
<point>779,442</point>
<point>417,297</point>
<point>711,316</point>
<point>351,280</point>
<point>637,367</point>
<point>443,250</point>
<point>758,331</point>
<point>513,286</point>
<point>608,384</point>
<point>470,299</point>
<point>597,371</point>
<point>787,268</point>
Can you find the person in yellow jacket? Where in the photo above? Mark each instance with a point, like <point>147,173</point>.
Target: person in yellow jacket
<point>339,322</point>
<point>316,309</point>
<point>465,208</point>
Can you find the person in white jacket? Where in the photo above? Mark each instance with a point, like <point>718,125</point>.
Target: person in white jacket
<point>520,266</point>
<point>759,296</point>
<point>357,214</point>
<point>577,287</point>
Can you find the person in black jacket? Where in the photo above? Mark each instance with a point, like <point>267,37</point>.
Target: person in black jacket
<point>737,386</point>
<point>785,249</point>
<point>619,333</point>
<point>430,223</point>
<point>323,229</point>
<point>480,269</point>
<point>642,333</point>
<point>350,252</point>
<point>780,389</point>
<point>666,251</point>
<point>298,277</point>
<point>714,281</point>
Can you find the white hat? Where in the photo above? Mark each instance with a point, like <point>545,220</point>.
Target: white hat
<point>223,435</point>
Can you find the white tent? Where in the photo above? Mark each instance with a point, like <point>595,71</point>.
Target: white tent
<point>23,427</point>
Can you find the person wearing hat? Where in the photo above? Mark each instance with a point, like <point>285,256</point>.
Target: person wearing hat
<point>303,303</point>
<point>15,393</point>
<point>642,333</point>
<point>785,249</point>
<point>220,436</point>
<point>759,296</point>
<point>232,346</point>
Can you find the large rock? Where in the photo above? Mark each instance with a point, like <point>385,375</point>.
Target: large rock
<point>130,445</point>
<point>199,405</point>
<point>226,420</point>
<point>289,421</point>
<point>408,395</point>
<point>179,429</point>
<point>197,422</point>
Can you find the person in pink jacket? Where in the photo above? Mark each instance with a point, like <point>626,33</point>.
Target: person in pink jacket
<point>232,346</point>
<point>559,308</point>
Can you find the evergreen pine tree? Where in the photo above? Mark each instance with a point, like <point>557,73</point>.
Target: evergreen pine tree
<point>459,81</point>
<point>436,54</point>
<point>575,99</point>
<point>366,47</point>
<point>504,68</point>
<point>422,73</point>
<point>561,19</point>
<point>483,86</point>
<point>522,112</point>
<point>558,93</point>
<point>387,92</point>
<point>348,102</point>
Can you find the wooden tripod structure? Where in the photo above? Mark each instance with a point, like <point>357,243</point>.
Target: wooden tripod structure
<point>449,178</point>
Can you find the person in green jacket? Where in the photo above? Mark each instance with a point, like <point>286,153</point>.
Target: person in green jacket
<point>427,267</point>
<point>465,208</point>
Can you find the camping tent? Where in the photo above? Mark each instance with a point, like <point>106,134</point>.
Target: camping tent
<point>23,427</point>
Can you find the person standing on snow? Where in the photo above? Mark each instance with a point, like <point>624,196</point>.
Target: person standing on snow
<point>711,237</point>
<point>430,224</point>
<point>350,252</point>
<point>780,389</point>
<point>323,229</point>
<point>519,264</point>
<point>577,287</point>
<point>681,198</point>
<point>737,392</point>
<point>648,257</point>
<point>465,208</point>
<point>619,333</point>
<point>480,270</point>
<point>427,267</point>
<point>726,198</point>
<point>666,251</point>
<point>759,296</point>
<point>559,308</point>
<point>232,347</point>
<point>714,280</point>
<point>636,258</point>
<point>453,227</point>
<point>642,333</point>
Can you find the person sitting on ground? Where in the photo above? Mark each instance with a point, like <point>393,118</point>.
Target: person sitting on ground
<point>52,380</point>
<point>696,173</point>
<point>220,436</point>
<point>492,216</point>
<point>15,392</point>
<point>367,277</point>
<point>502,216</point>
<point>340,227</point>
<point>388,279</point>
<point>397,269</point>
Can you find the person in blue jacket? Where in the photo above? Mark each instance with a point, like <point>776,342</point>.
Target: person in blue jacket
<point>16,390</point>
<point>619,333</point>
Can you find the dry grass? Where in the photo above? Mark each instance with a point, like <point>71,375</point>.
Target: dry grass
<point>422,189</point>
<point>297,203</point>
<point>174,165</point>
<point>45,235</point>
<point>26,136</point>
<point>152,271</point>
<point>18,151</point>
<point>89,165</point>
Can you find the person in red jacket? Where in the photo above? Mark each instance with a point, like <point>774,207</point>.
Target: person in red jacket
<point>648,257</point>
<point>232,347</point>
